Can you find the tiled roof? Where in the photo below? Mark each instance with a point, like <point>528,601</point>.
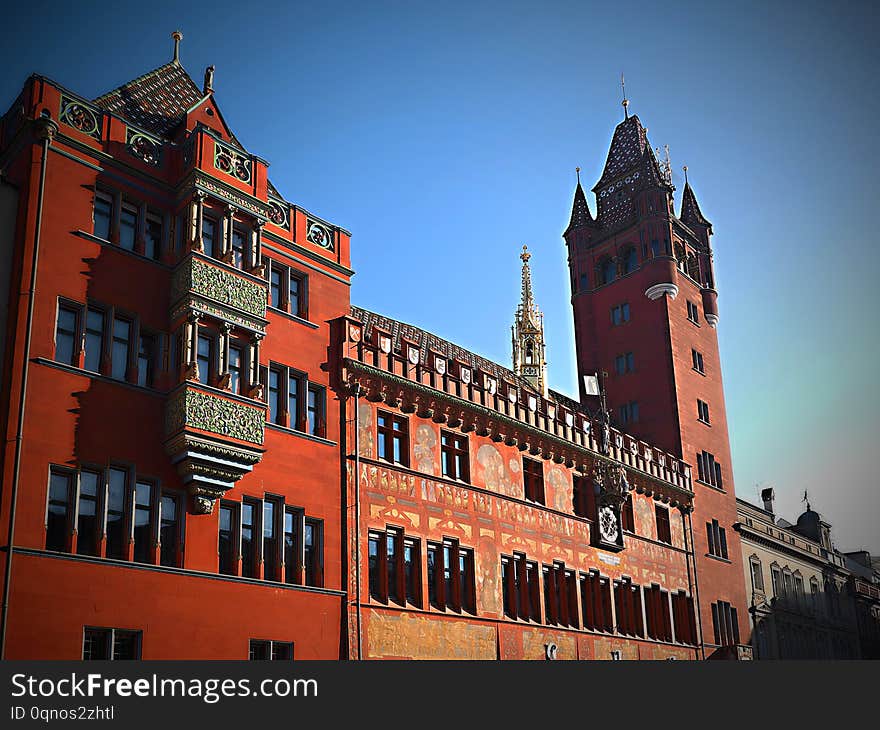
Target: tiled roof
<point>425,340</point>
<point>157,101</point>
<point>690,209</point>
<point>580,211</point>
<point>627,147</point>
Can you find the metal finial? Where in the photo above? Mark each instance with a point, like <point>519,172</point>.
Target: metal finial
<point>625,101</point>
<point>178,37</point>
<point>685,168</point>
<point>525,255</point>
<point>578,173</point>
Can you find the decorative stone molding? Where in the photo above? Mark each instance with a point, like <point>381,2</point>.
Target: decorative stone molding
<point>232,162</point>
<point>659,290</point>
<point>144,147</point>
<point>81,117</point>
<point>196,276</point>
<point>191,408</point>
<point>712,320</point>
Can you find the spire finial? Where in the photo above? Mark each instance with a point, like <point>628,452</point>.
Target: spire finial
<point>625,101</point>
<point>525,255</point>
<point>178,37</point>
<point>577,171</point>
<point>685,168</point>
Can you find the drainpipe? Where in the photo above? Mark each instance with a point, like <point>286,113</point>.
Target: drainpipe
<point>356,390</point>
<point>44,131</point>
<point>696,588</point>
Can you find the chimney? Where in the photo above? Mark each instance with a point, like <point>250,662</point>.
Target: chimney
<point>768,496</point>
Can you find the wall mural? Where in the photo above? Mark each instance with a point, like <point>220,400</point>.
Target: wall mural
<point>365,430</point>
<point>404,636</point>
<point>488,575</point>
<point>497,472</point>
<point>559,494</point>
<point>425,449</point>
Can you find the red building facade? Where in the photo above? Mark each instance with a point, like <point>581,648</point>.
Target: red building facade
<point>198,422</point>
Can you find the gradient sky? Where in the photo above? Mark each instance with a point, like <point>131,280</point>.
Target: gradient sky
<point>444,136</point>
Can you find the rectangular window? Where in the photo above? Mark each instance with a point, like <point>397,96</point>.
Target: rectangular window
<point>153,237</point>
<point>103,215</point>
<point>596,602</point>
<point>94,339</point>
<point>664,534</point>
<point>115,644</point>
<point>264,649</point>
<point>703,411</point>
<point>717,538</point>
<point>684,618</point>
<point>519,578</point>
<point>697,358</point>
<point>629,412</point>
<point>120,348</point>
<point>293,528</point>
<point>59,510</point>
<point>451,577</point>
<point>394,567</point>
<point>624,363</point>
<point>584,497</point>
<point>65,335</point>
<point>117,509</point>
<point>170,529</point>
<point>249,532</point>
<point>315,411</point>
<point>272,511</point>
<point>236,360</point>
<point>313,551</point>
<point>146,358</point>
<point>205,358</point>
<point>628,607</point>
<point>533,479</point>
<point>209,236</point>
<point>89,523</point>
<point>128,218</point>
<point>238,248</point>
<point>454,456</point>
<point>288,290</point>
<point>274,396</point>
<point>275,276</point>
<point>143,527</point>
<point>724,624</point>
<point>693,312</point>
<point>659,620</point>
<point>708,470</point>
<point>294,399</point>
<point>620,314</point>
<point>757,575</point>
<point>227,539</point>
<point>393,438</point>
<point>627,517</point>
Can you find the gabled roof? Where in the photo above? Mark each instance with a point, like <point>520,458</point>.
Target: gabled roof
<point>157,102</point>
<point>626,151</point>
<point>690,209</point>
<point>580,210</point>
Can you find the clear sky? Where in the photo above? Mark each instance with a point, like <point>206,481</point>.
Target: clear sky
<point>445,135</point>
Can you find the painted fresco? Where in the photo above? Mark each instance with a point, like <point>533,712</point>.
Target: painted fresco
<point>487,575</point>
<point>425,452</point>
<point>365,430</point>
<point>498,469</point>
<point>409,636</point>
<point>518,642</point>
<point>558,490</point>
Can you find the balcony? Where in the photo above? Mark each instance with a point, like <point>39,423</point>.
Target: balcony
<point>213,439</point>
<point>205,285</point>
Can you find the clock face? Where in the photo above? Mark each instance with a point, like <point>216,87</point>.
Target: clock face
<point>608,524</point>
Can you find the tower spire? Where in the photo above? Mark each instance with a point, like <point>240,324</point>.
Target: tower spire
<point>625,101</point>
<point>178,37</point>
<point>528,333</point>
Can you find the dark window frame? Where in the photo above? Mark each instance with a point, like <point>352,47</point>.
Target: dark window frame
<point>455,456</point>
<point>392,436</point>
<point>533,480</point>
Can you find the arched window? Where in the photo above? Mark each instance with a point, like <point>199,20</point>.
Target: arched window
<point>630,261</point>
<point>607,271</point>
<point>693,267</point>
<point>680,257</point>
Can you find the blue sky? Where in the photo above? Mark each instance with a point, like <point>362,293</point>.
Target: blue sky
<point>444,136</point>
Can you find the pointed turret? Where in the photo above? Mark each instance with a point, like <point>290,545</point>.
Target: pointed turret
<point>580,210</point>
<point>691,215</point>
<point>528,334</point>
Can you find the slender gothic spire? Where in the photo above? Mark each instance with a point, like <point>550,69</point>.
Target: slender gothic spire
<point>690,210</point>
<point>178,37</point>
<point>528,333</point>
<point>625,101</point>
<point>580,210</point>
